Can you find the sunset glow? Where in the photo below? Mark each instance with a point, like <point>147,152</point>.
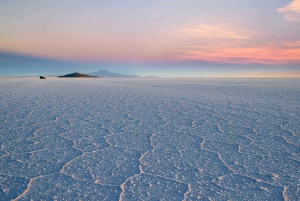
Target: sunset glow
<point>155,32</point>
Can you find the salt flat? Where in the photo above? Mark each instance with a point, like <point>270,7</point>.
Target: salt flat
<point>149,139</point>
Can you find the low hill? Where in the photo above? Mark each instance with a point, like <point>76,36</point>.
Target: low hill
<point>76,74</point>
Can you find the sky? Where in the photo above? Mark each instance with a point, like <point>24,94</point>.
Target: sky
<point>193,38</point>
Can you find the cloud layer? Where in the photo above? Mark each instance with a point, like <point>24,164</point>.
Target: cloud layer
<point>146,32</point>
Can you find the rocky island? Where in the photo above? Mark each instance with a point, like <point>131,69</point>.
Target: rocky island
<point>78,75</point>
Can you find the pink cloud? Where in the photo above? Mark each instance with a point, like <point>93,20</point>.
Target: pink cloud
<point>264,55</point>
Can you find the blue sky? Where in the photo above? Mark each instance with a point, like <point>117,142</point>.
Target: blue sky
<point>162,38</point>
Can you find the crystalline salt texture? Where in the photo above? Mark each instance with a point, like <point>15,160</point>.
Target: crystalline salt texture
<point>155,139</point>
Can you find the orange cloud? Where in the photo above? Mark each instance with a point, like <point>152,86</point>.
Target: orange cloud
<point>210,31</point>
<point>293,44</point>
<point>291,12</point>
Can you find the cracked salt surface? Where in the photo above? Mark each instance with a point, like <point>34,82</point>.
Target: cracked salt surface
<point>149,139</point>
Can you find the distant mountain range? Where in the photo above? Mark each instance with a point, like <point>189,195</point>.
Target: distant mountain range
<point>76,74</point>
<point>100,73</point>
<point>13,64</point>
<point>105,73</point>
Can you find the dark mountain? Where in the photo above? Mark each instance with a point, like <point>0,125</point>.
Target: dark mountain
<point>76,74</point>
<point>105,73</point>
